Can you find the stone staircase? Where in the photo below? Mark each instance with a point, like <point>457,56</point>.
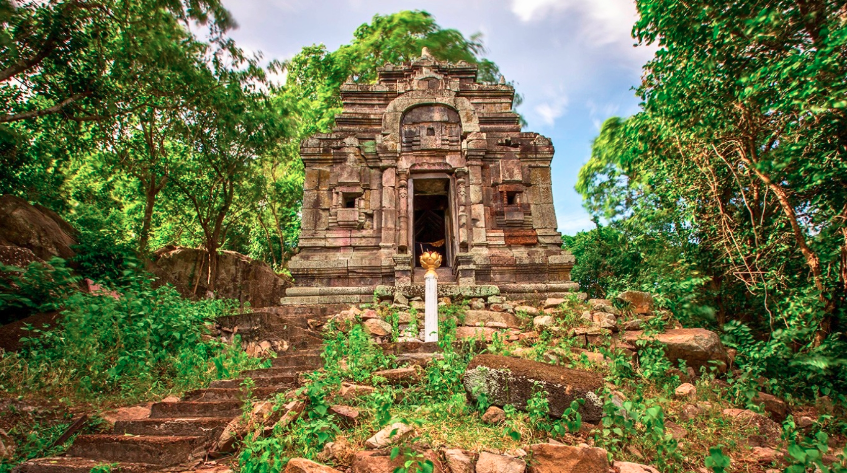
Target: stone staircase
<point>178,435</point>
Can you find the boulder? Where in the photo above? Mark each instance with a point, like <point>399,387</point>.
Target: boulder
<point>506,380</point>
<point>640,302</point>
<point>493,463</point>
<point>627,467</point>
<point>696,346</point>
<point>548,458</point>
<point>239,277</point>
<point>301,465</point>
<point>494,415</point>
<point>390,434</point>
<point>474,318</point>
<point>458,461</point>
<point>35,228</point>
<point>770,431</point>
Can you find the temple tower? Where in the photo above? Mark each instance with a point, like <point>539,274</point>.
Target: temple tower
<point>427,158</point>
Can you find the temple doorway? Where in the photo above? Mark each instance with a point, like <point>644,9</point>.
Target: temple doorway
<point>431,219</point>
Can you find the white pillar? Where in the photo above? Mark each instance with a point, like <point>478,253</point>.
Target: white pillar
<point>431,303</point>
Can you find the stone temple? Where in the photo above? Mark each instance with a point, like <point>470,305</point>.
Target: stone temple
<point>427,158</point>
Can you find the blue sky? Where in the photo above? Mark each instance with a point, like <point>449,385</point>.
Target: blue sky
<point>573,60</point>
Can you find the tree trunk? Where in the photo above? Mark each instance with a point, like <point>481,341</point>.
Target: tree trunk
<point>212,275</point>
<point>144,239</point>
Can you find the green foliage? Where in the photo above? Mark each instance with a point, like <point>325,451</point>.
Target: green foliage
<point>724,193</point>
<point>352,355</point>
<point>37,288</point>
<point>717,461</point>
<point>144,342</point>
<point>635,422</point>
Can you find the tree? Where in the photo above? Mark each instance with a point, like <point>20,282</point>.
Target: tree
<point>741,148</point>
<point>226,135</point>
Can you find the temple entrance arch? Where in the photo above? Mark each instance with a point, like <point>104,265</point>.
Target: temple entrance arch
<point>433,222</point>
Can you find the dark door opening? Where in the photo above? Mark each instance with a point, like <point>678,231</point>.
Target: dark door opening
<point>431,213</point>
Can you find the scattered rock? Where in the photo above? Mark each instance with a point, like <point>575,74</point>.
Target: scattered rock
<point>494,415</point>
<point>603,305</point>
<point>393,433</point>
<point>340,451</point>
<point>641,302</point>
<point>401,376</point>
<point>354,391</point>
<point>477,304</point>
<point>483,317</point>
<point>419,306</point>
<point>604,320</point>
<point>493,463</point>
<point>368,314</point>
<point>528,310</point>
<point>301,465</point>
<point>381,462</point>
<point>547,458</point>
<point>506,380</point>
<point>627,467</point>
<point>347,416</point>
<point>7,446</point>
<point>765,455</point>
<point>773,405</point>
<point>634,324</point>
<point>542,321</point>
<point>496,300</point>
<point>377,327</point>
<point>690,412</point>
<point>483,333</point>
<point>696,346</point>
<point>686,391</point>
<point>400,299</point>
<point>458,461</point>
<point>770,430</point>
<point>804,422</point>
<point>676,431</point>
<point>553,302</point>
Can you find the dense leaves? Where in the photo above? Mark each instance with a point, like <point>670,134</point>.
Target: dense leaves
<point>735,169</point>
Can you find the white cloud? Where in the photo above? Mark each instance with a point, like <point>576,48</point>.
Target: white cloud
<point>604,21</point>
<point>553,108</point>
<point>599,113</point>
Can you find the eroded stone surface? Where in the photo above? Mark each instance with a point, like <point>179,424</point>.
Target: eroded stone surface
<point>507,380</point>
<point>548,458</point>
<point>696,346</point>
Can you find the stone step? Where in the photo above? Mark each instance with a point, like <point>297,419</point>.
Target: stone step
<point>276,371</point>
<point>152,450</point>
<point>230,394</point>
<point>167,410</point>
<point>79,465</point>
<point>284,381</point>
<point>309,360</point>
<point>208,427</point>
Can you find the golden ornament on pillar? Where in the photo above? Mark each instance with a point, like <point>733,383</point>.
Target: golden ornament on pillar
<point>430,260</point>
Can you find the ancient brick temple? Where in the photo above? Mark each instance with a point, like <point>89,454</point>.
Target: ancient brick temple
<point>427,158</point>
